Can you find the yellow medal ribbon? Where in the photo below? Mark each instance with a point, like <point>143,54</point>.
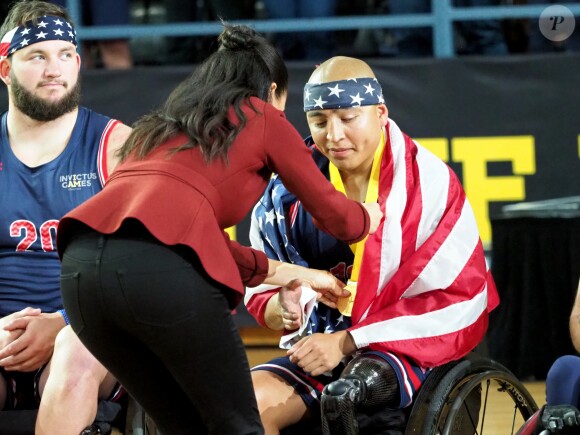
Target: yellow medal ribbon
<point>345,304</point>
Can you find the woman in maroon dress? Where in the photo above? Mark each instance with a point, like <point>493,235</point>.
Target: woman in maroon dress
<point>149,276</point>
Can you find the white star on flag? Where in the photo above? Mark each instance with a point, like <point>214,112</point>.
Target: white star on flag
<point>24,42</point>
<point>353,79</point>
<point>381,99</point>
<point>356,99</point>
<point>319,102</point>
<point>279,216</point>
<point>71,34</point>
<point>270,216</point>
<point>335,91</point>
<point>42,24</point>
<point>307,95</point>
<point>369,89</point>
<point>58,22</point>
<point>25,32</point>
<point>58,32</point>
<point>41,35</point>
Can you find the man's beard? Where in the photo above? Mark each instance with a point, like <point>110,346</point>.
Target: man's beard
<point>41,110</point>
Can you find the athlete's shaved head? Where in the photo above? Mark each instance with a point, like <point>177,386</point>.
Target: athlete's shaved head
<point>342,82</point>
<point>340,68</point>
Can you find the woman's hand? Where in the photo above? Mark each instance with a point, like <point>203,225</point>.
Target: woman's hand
<point>375,214</point>
<point>328,287</point>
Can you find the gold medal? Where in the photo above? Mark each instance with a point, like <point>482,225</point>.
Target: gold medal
<point>345,304</point>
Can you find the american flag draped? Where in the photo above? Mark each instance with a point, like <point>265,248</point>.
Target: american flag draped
<point>424,289</point>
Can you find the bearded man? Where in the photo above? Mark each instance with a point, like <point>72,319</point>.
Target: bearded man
<point>53,156</point>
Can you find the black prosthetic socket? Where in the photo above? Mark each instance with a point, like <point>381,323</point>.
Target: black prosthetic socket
<point>337,404</point>
<point>367,381</point>
<point>379,378</point>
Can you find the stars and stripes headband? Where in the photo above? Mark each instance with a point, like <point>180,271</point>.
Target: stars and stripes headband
<point>46,28</point>
<point>355,92</point>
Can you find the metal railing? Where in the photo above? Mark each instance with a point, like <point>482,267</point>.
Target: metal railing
<point>441,20</point>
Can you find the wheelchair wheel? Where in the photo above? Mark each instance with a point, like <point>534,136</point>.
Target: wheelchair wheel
<point>454,400</point>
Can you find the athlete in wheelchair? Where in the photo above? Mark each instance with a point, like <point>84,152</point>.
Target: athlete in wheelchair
<point>420,289</point>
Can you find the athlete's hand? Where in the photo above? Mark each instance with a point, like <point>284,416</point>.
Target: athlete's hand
<point>26,312</point>
<point>375,213</point>
<point>8,336</point>
<point>289,301</point>
<point>320,353</point>
<point>34,347</point>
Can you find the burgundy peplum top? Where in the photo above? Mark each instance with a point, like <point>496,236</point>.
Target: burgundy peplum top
<point>181,199</point>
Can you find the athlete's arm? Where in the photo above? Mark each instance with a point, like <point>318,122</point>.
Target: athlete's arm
<point>118,136</point>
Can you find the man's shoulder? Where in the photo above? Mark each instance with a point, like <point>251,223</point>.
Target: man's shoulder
<point>116,126</point>
<point>90,113</point>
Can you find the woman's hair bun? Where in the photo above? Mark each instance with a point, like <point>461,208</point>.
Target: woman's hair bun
<point>238,37</point>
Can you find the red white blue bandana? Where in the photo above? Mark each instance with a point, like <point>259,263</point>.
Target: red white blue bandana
<point>46,28</point>
<point>355,92</point>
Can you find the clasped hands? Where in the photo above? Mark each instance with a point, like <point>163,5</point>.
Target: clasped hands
<point>27,339</point>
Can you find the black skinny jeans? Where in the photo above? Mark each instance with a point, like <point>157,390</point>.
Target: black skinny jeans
<point>162,326</point>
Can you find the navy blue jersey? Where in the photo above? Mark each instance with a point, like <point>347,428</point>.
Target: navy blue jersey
<point>32,200</point>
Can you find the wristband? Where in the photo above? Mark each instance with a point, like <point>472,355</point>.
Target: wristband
<point>64,316</point>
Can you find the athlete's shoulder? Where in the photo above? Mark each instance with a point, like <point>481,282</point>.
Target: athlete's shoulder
<point>119,134</point>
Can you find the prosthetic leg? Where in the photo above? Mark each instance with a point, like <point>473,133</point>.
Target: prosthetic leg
<point>367,381</point>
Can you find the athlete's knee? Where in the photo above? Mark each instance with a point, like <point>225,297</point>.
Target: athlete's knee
<point>564,369</point>
<point>71,359</point>
<point>66,340</point>
<point>68,346</point>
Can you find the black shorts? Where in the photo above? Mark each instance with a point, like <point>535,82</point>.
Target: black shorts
<point>22,388</point>
<point>24,392</point>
